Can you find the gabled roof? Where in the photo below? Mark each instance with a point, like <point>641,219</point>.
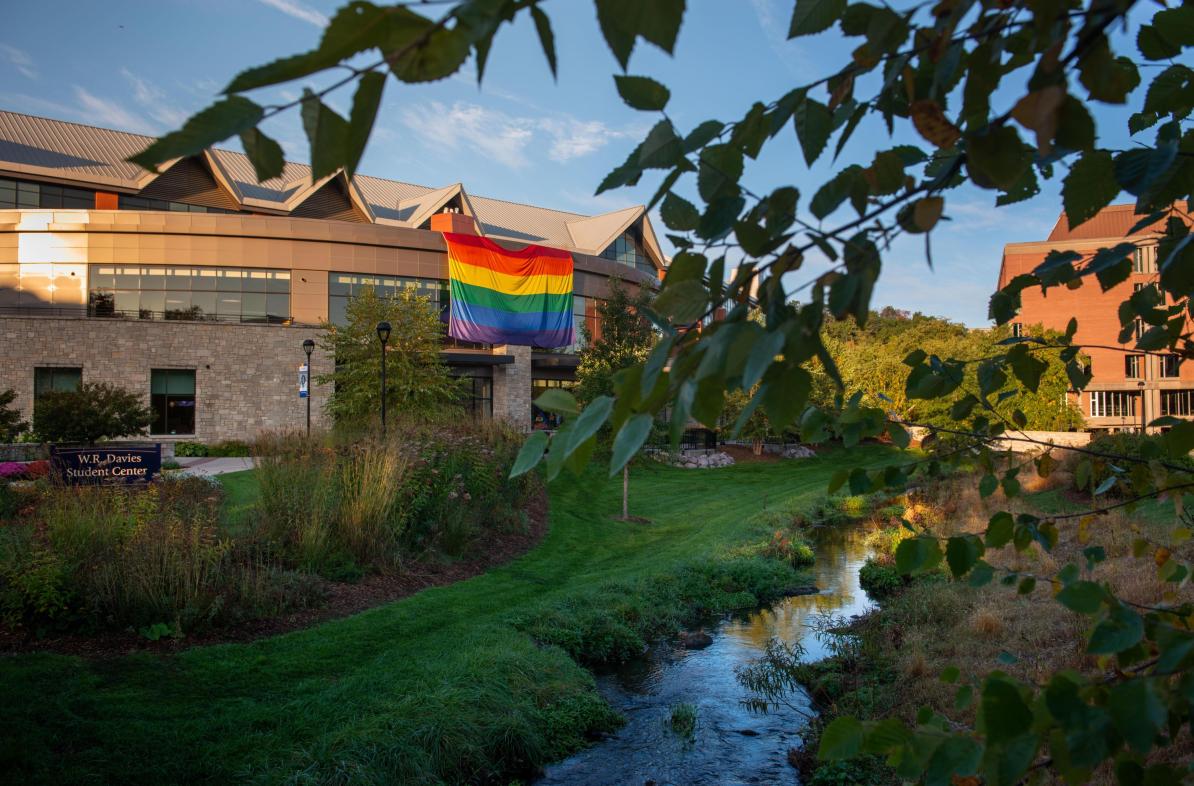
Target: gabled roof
<point>1113,221</point>
<point>66,152</point>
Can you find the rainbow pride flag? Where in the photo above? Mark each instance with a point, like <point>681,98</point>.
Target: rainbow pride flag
<point>509,297</point>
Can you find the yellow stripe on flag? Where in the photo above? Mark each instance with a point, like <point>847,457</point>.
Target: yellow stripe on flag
<point>504,282</point>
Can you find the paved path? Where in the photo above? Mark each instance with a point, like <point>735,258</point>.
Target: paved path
<point>213,466</point>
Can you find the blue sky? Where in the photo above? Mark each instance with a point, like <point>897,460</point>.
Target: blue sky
<point>520,136</point>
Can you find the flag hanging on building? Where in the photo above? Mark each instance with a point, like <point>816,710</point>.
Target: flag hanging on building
<point>509,297</point>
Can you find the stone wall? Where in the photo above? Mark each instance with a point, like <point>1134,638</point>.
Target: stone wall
<point>246,376</point>
<point>512,387</point>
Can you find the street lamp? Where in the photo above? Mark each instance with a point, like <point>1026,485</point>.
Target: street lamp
<point>383,335</point>
<point>1140,385</point>
<point>308,347</point>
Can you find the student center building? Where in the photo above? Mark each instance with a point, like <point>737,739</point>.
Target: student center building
<point>197,286</point>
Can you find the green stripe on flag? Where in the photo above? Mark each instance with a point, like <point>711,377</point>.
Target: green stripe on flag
<point>523,304</point>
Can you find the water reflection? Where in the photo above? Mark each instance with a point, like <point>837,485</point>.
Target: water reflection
<point>731,746</point>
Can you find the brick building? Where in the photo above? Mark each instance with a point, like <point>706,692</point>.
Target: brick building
<point>1128,387</point>
<point>198,285</point>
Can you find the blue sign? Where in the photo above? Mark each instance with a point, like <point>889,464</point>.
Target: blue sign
<point>115,465</point>
<point>304,381</point>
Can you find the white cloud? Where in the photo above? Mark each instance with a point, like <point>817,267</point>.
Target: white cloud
<point>149,96</point>
<point>298,10</point>
<point>104,112</point>
<point>19,60</point>
<point>505,138</point>
<point>491,133</point>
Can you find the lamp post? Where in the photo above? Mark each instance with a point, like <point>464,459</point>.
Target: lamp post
<point>383,335</point>
<point>1143,421</point>
<point>308,347</point>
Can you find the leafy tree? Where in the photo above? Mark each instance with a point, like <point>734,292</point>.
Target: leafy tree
<point>95,412</point>
<point>996,94</point>
<point>418,382</point>
<point>11,425</point>
<point>625,339</point>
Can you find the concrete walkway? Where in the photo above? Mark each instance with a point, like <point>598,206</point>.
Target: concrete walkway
<point>192,465</point>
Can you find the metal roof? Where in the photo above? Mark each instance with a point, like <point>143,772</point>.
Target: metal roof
<point>64,151</point>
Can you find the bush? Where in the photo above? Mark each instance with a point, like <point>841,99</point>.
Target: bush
<point>880,578</point>
<point>229,448</point>
<point>140,558</point>
<point>94,412</point>
<point>11,424</point>
<point>1121,443</point>
<point>190,449</point>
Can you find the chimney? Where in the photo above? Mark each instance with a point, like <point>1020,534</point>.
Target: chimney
<point>457,223</point>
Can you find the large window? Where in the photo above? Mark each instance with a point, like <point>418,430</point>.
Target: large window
<point>539,418</point>
<point>1134,366</point>
<point>128,202</point>
<point>1113,403</point>
<point>172,398</point>
<point>53,378</point>
<point>225,294</point>
<point>628,250</point>
<point>343,286</point>
<point>27,194</point>
<point>43,287</point>
<point>478,396</point>
<point>1177,402</point>
<point>1170,366</point>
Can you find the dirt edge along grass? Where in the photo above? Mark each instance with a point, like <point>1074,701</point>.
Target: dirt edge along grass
<point>439,687</point>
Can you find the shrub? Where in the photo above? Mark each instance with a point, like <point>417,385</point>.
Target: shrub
<point>11,424</point>
<point>1120,443</point>
<point>229,448</point>
<point>684,719</point>
<point>94,412</point>
<point>880,578</point>
<point>190,449</point>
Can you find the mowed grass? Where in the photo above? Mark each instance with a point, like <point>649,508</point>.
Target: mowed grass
<point>436,683</point>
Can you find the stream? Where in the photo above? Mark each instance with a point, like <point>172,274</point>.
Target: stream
<point>730,744</point>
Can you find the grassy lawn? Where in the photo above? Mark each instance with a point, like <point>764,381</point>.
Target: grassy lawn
<point>438,682</point>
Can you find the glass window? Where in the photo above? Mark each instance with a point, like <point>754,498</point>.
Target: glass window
<point>1177,402</point>
<point>1134,366</point>
<point>1170,366</point>
<point>1017,330</point>
<point>539,418</point>
<point>175,292</point>
<point>26,194</point>
<point>1113,403</point>
<point>128,202</point>
<point>478,396</point>
<point>172,399</point>
<point>1144,260</point>
<point>47,378</point>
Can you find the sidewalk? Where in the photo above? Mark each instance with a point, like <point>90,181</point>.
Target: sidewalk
<point>192,465</point>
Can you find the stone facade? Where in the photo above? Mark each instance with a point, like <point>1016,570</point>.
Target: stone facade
<point>512,387</point>
<point>246,376</point>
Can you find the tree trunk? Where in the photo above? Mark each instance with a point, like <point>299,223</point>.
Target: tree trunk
<point>626,493</point>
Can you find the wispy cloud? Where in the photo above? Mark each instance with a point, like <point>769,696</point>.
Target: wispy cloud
<point>298,10</point>
<point>153,100</point>
<point>104,112</point>
<point>19,60</point>
<point>505,138</point>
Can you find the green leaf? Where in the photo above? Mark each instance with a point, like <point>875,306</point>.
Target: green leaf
<point>642,92</point>
<point>1137,712</point>
<point>558,401</point>
<point>360,121</point>
<point>718,171</point>
<point>679,214</point>
<point>263,153</point>
<point>761,356</point>
<point>1120,629</point>
<point>547,38</point>
<point>1003,712</point>
<point>987,486</point>
<point>917,555</point>
<point>962,552</point>
<point>1084,597</point>
<point>814,123</point>
<point>530,454</point>
<point>661,149</point>
<point>227,117</point>
<point>957,756</point>
<point>591,419</point>
<point>844,185</point>
<point>683,302</point>
<point>1000,528</point>
<point>685,266</point>
<point>328,135</point>
<point>630,438</point>
<point>1179,440</point>
<point>997,157</point>
<point>1026,366</point>
<point>841,739</point>
<point>814,16</point>
<point>624,21</point>
<point>1171,91</point>
<point>1154,45</point>
<point>440,56</point>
